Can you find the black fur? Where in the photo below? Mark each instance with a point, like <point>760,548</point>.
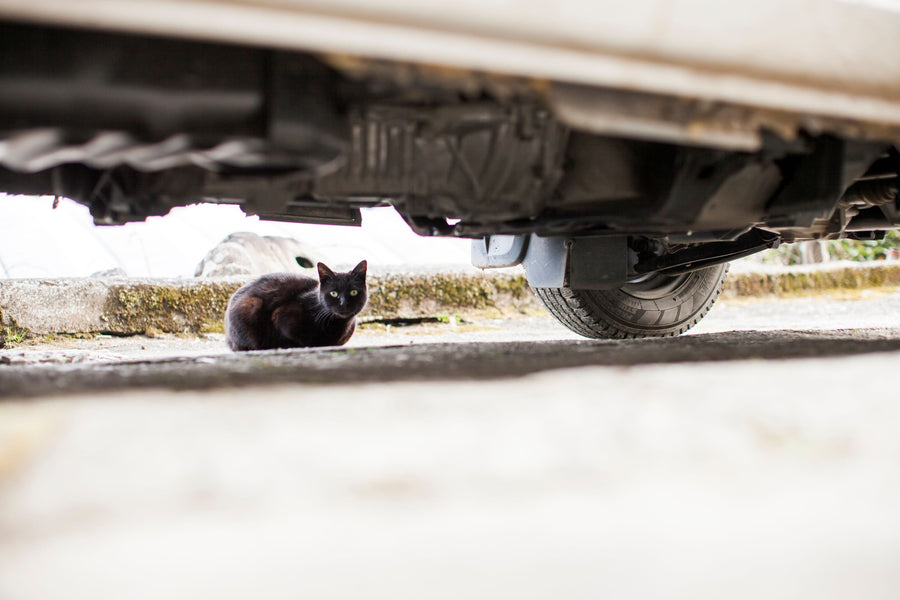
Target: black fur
<point>283,310</point>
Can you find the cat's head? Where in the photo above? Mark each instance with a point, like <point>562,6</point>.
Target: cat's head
<point>344,294</point>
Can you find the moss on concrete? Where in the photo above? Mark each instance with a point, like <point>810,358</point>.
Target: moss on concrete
<point>148,309</point>
<point>12,335</point>
<point>405,296</point>
<point>810,281</point>
<point>197,307</point>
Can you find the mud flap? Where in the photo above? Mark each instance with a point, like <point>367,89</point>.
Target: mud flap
<point>586,263</point>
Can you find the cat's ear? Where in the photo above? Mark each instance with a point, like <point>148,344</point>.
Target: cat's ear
<point>360,269</point>
<point>324,272</point>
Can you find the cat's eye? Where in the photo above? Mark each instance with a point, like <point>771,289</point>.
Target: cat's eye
<point>354,292</point>
<point>333,294</point>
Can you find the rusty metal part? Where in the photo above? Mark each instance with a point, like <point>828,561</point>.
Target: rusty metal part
<point>872,192</point>
<point>618,112</point>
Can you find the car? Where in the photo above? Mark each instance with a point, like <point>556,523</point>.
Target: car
<point>624,153</point>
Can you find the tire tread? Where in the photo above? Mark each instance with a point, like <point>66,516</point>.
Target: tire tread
<point>578,311</point>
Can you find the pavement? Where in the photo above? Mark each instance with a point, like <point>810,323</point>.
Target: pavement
<point>740,464</point>
<point>480,348</point>
<point>755,457</point>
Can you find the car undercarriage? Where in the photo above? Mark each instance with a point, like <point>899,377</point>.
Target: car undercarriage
<point>598,191</point>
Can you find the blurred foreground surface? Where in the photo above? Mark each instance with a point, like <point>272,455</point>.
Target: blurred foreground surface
<point>758,475</point>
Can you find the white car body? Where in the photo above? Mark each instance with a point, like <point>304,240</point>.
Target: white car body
<point>818,58</point>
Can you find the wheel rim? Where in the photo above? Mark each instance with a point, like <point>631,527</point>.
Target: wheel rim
<point>654,286</point>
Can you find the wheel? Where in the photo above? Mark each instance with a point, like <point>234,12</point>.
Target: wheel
<point>654,306</point>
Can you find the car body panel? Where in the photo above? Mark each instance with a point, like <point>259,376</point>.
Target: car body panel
<point>834,58</point>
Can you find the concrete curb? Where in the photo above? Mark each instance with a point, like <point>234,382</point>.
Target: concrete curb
<point>31,308</point>
<point>813,279</point>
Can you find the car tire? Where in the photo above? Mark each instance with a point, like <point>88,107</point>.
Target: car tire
<point>654,306</point>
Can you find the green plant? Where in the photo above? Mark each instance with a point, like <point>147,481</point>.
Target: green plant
<point>854,250</point>
<point>11,337</point>
<point>449,319</point>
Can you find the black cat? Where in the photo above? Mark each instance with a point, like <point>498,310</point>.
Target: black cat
<point>284,310</point>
